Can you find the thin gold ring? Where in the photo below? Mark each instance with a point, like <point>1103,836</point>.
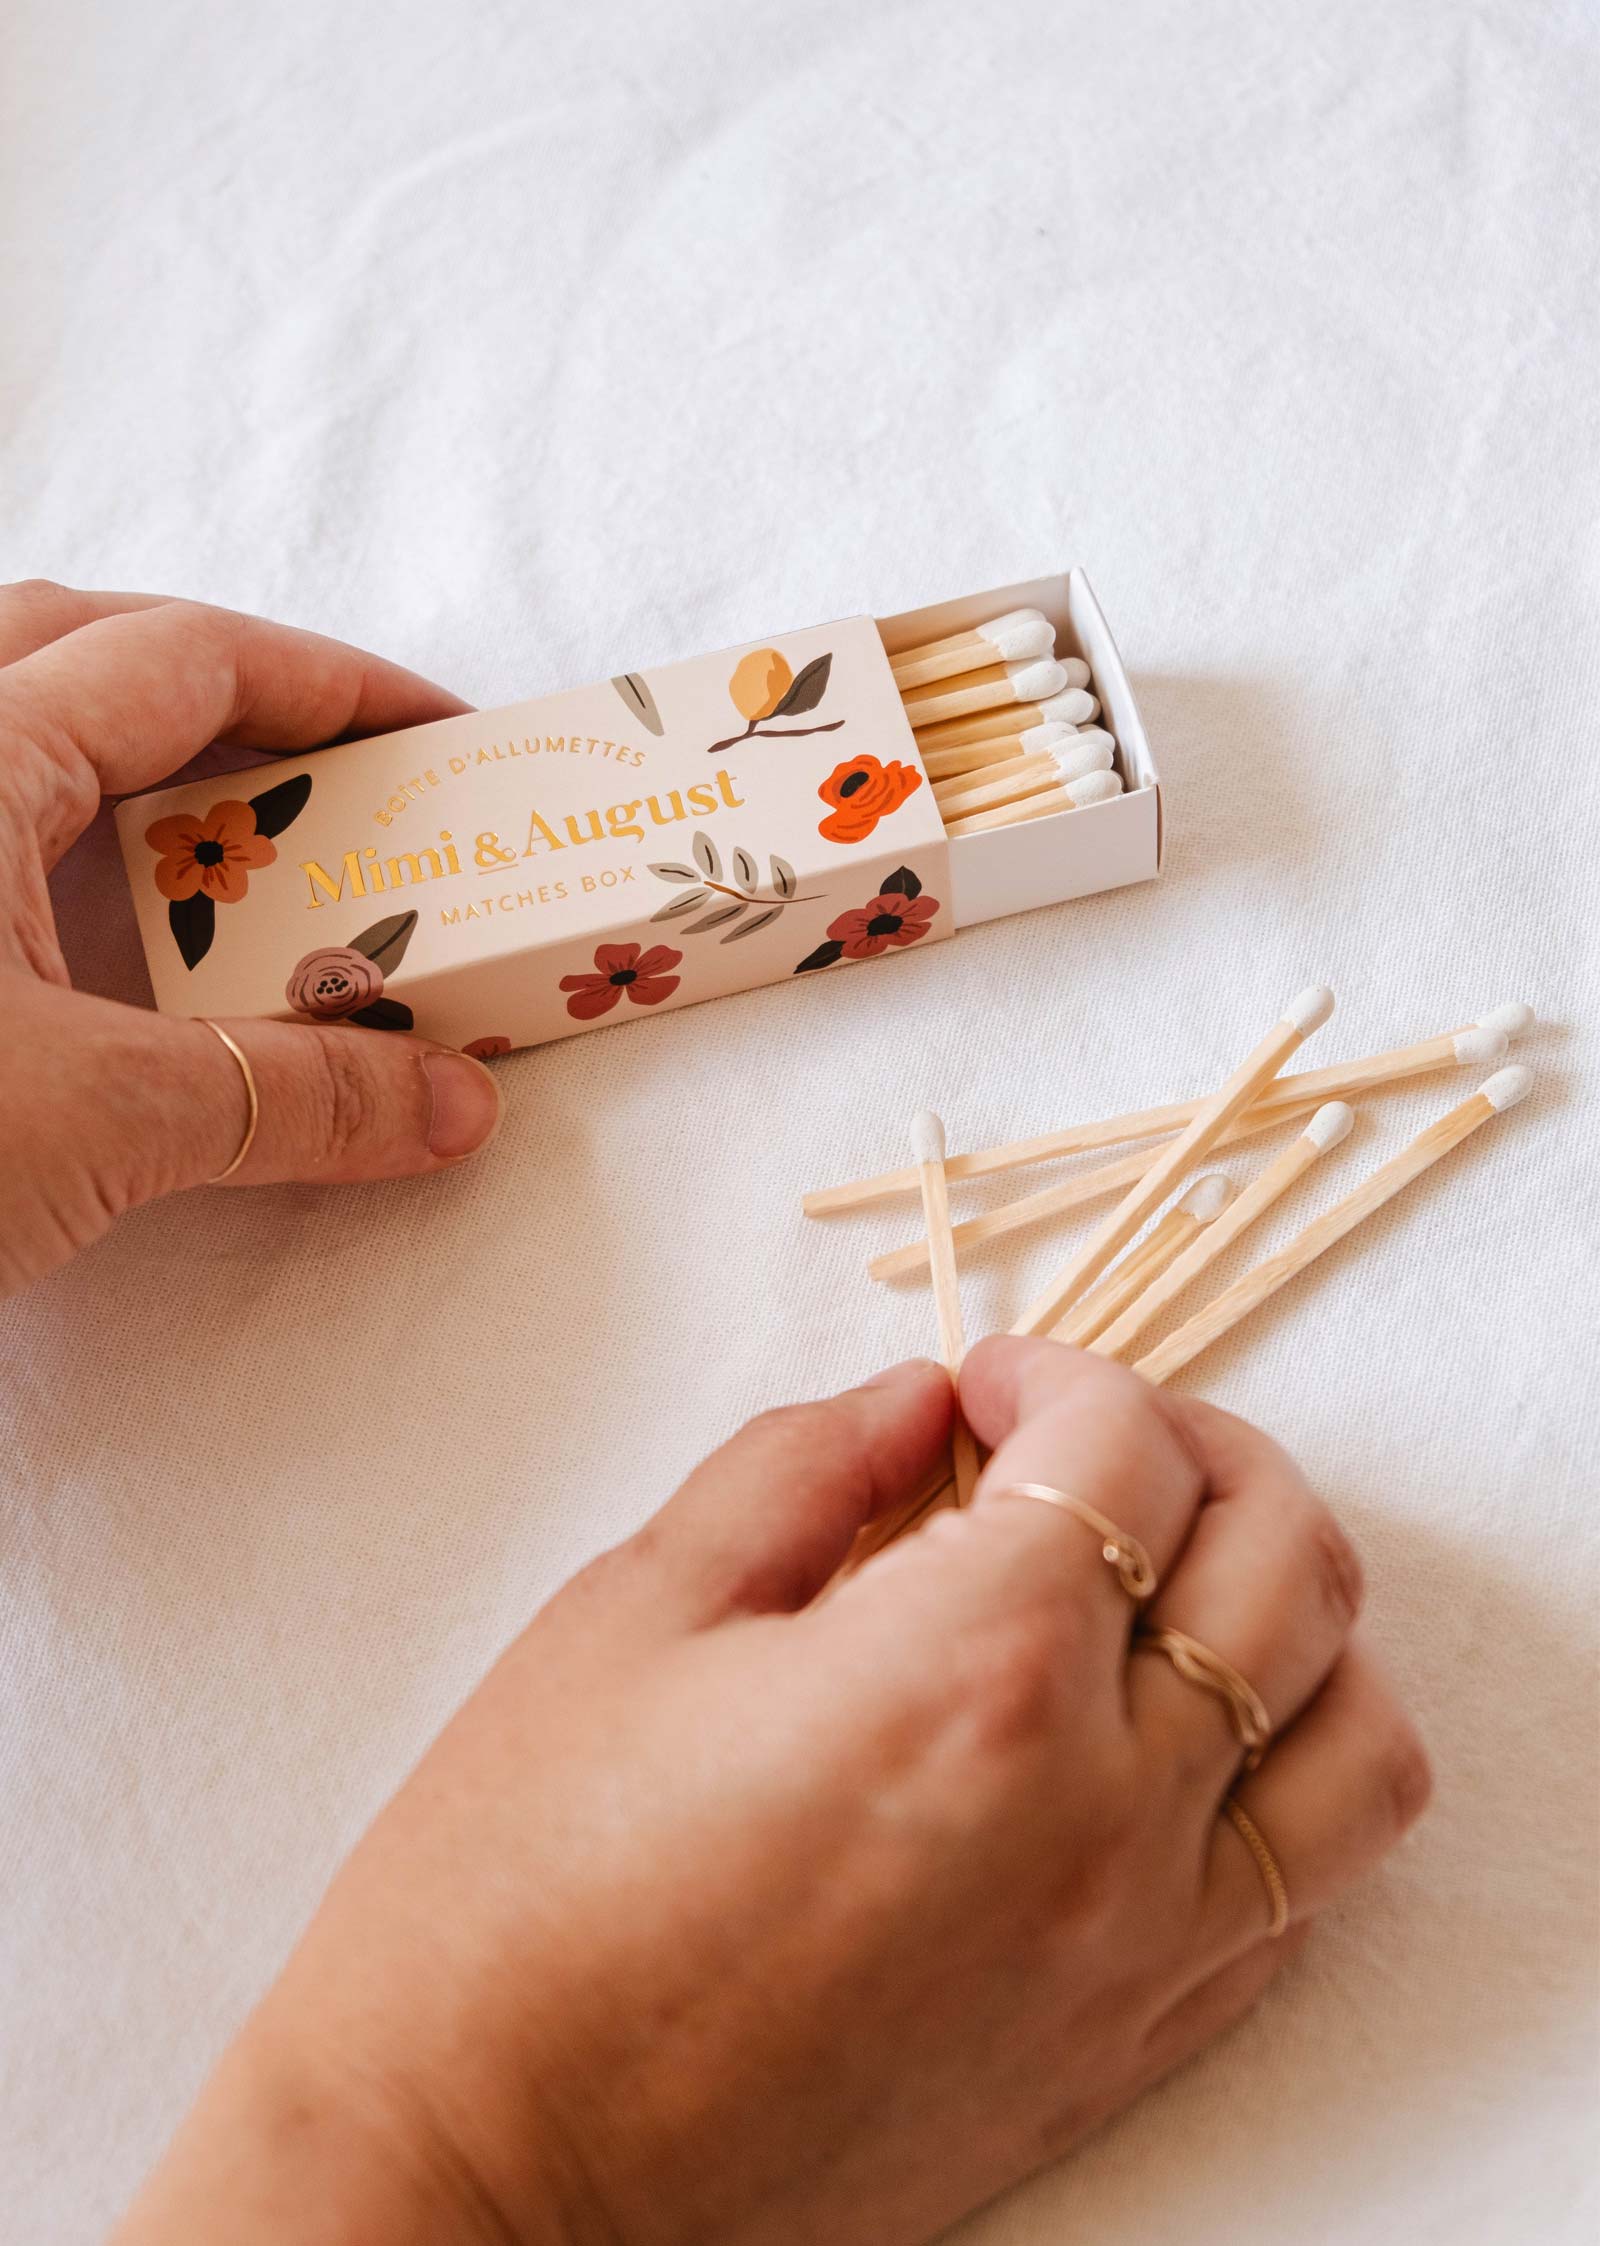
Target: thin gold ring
<point>1117,1548</point>
<point>1267,1864</point>
<point>1246,1709</point>
<point>253,1116</point>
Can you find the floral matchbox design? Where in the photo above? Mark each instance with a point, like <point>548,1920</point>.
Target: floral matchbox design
<point>510,876</point>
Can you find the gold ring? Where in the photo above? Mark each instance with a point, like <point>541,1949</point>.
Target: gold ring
<point>1266,1864</point>
<point>1119,1550</point>
<point>253,1116</point>
<point>1246,1709</point>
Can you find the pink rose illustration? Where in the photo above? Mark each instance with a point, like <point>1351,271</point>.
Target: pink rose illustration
<point>334,982</point>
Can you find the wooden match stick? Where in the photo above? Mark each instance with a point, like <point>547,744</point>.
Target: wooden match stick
<point>979,756</point>
<point>1074,705</point>
<point>1072,795</point>
<point>1325,1129</point>
<point>1249,1292</point>
<point>1014,638</point>
<point>989,689</point>
<point>927,1143</point>
<point>1146,1260</point>
<point>1097,1184</point>
<point>1305,1013</point>
<point>1063,761</point>
<point>1475,1045</point>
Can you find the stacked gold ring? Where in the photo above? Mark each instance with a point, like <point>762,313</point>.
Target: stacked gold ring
<point>1117,1548</point>
<point>1197,1663</point>
<point>1266,1863</point>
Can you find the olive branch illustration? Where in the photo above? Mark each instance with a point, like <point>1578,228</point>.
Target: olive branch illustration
<point>763,686</point>
<point>706,879</point>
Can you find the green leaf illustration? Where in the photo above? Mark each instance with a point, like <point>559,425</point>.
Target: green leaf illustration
<point>901,883</point>
<point>686,903</point>
<point>193,924</point>
<point>275,807</point>
<point>713,919</point>
<point>824,956</point>
<point>807,689</point>
<point>384,1013</point>
<point>750,926</point>
<point>640,701</point>
<point>384,943</point>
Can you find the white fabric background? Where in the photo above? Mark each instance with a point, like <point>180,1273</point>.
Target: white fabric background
<point>521,343</point>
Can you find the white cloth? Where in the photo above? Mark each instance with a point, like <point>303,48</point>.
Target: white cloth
<point>526,343</point>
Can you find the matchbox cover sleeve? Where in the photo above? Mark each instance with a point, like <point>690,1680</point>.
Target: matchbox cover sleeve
<point>516,875</point>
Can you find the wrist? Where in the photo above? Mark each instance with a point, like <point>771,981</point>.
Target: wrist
<point>291,2138</point>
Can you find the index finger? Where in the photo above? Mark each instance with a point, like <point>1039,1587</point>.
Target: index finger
<point>128,698</point>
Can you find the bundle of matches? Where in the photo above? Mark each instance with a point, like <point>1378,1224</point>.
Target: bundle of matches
<point>1122,1278</point>
<point>1005,729</point>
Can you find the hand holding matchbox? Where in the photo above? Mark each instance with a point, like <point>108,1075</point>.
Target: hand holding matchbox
<point>823,799</point>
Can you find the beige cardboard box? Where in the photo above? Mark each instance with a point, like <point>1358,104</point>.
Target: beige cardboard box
<point>515,875</point>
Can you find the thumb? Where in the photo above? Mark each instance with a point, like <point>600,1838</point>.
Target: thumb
<point>105,1106</point>
<point>763,1523</point>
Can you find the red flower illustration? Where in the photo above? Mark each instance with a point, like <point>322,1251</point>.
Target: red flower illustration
<point>890,919</point>
<point>215,855</point>
<point>618,968</point>
<point>861,793</point>
<point>487,1048</point>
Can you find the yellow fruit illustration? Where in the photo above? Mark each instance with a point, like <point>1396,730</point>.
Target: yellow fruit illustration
<point>760,683</point>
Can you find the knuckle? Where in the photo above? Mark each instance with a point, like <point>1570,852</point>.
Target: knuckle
<point>1334,1565</point>
<point>1006,1677</point>
<point>344,1096</point>
<point>1403,1775</point>
<point>33,592</point>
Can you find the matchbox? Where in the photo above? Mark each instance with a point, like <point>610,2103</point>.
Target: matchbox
<point>510,876</point>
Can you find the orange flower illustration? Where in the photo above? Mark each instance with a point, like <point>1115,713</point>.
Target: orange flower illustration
<point>644,975</point>
<point>862,792</point>
<point>759,683</point>
<point>213,857</point>
<point>486,1048</point>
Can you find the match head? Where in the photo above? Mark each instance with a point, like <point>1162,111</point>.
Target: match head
<point>1094,787</point>
<point>1036,739</point>
<point>1075,757</point>
<point>1477,1046</point>
<point>1077,670</point>
<point>1072,706</point>
<point>1329,1125</point>
<point>1025,632</point>
<point>1512,1021</point>
<point>927,1136</point>
<point>1310,1010</point>
<point>1035,682</point>
<point>1098,735</point>
<point>1209,1196</point>
<point>1509,1085</point>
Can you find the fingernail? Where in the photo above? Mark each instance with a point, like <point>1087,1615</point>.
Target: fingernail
<point>466,1105</point>
<point>914,1368</point>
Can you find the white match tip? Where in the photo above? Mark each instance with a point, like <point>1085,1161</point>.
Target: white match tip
<point>1026,633</point>
<point>1484,1042</point>
<point>1075,758</point>
<point>1036,739</point>
<point>1514,1020</point>
<point>1209,1196</point>
<point>1509,1085</point>
<point>1077,670</point>
<point>1310,1010</point>
<point>1097,733</point>
<point>1329,1125</point>
<point>1036,682</point>
<point>1094,787</point>
<point>927,1136</point>
<point>1072,706</point>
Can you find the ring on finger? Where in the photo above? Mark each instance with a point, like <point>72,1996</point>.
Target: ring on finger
<point>1266,1863</point>
<point>252,1100</point>
<point>1200,1666</point>
<point>1117,1548</point>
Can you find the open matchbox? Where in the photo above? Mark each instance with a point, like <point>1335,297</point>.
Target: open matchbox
<point>514,875</point>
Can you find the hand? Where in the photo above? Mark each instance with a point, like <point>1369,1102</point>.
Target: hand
<point>103,1106</point>
<point>725,1912</point>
